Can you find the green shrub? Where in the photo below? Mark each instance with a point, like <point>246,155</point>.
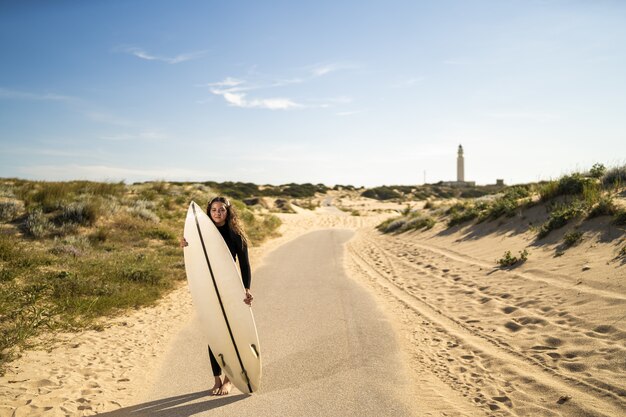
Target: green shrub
<point>50,196</point>
<point>517,192</point>
<point>260,229</point>
<point>22,317</point>
<point>509,260</point>
<point>143,210</point>
<point>605,206</point>
<point>420,223</point>
<point>572,238</point>
<point>619,217</point>
<point>161,234</point>
<point>37,224</point>
<point>382,227</point>
<point>572,184</point>
<point>430,205</point>
<point>597,171</point>
<point>548,190</point>
<point>381,193</point>
<point>459,217</point>
<point>504,206</point>
<point>141,274</point>
<point>391,225</point>
<point>302,190</point>
<point>283,206</point>
<point>462,212</point>
<point>614,177</point>
<point>100,235</point>
<point>8,248</point>
<point>401,224</point>
<point>560,216</point>
<point>80,213</point>
<point>592,193</point>
<point>8,210</point>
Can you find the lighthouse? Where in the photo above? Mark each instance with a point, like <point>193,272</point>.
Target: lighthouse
<point>460,166</point>
<point>460,172</point>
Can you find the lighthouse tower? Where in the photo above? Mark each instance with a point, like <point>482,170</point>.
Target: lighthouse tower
<point>460,166</point>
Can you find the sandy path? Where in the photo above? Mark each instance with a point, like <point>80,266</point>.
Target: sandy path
<point>92,372</point>
<point>327,347</point>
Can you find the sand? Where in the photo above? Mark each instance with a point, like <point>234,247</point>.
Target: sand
<point>542,339</point>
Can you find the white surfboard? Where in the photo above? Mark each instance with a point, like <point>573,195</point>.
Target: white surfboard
<point>218,293</point>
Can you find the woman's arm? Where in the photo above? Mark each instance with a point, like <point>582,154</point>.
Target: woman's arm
<point>244,266</point>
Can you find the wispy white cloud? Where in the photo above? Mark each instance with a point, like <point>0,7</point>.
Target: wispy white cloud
<point>232,90</point>
<point>142,54</point>
<point>320,70</point>
<point>228,82</point>
<point>233,85</point>
<point>25,95</point>
<point>235,90</point>
<point>240,100</point>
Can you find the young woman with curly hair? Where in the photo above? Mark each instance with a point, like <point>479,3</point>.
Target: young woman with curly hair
<point>225,218</point>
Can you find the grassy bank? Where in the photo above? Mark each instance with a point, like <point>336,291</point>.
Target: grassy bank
<point>573,198</point>
<point>72,253</point>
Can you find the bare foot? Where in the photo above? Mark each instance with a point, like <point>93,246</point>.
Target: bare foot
<point>226,387</point>
<point>216,388</point>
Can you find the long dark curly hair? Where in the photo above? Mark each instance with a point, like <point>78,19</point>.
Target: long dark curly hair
<point>232,218</point>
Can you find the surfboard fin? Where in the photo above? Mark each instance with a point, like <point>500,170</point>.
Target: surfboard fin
<point>254,350</point>
<point>223,362</point>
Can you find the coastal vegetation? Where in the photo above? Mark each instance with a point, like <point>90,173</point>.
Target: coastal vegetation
<point>578,197</point>
<point>428,191</point>
<point>74,252</point>
<point>508,260</point>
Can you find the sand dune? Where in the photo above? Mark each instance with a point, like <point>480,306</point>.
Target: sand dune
<point>543,339</point>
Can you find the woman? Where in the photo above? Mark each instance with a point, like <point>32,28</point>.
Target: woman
<point>224,216</point>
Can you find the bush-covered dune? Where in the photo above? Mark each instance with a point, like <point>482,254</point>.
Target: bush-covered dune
<point>73,252</point>
<point>574,197</point>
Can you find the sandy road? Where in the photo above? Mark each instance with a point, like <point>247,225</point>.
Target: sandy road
<point>327,347</point>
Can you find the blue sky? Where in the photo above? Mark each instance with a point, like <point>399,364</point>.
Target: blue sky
<point>337,92</point>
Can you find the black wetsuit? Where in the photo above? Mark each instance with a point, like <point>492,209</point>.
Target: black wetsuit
<point>239,250</point>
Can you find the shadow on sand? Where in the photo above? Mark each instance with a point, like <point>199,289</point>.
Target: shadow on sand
<point>179,406</point>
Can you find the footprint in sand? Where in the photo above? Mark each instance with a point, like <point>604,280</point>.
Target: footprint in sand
<point>512,326</point>
<point>574,366</point>
<point>509,309</point>
<point>604,329</point>
<point>553,341</point>
<point>532,320</point>
<point>504,400</point>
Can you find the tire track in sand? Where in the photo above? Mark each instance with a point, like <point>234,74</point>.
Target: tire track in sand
<point>490,371</point>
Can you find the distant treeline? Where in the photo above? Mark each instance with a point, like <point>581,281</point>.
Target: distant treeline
<point>426,191</point>
<point>241,190</point>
